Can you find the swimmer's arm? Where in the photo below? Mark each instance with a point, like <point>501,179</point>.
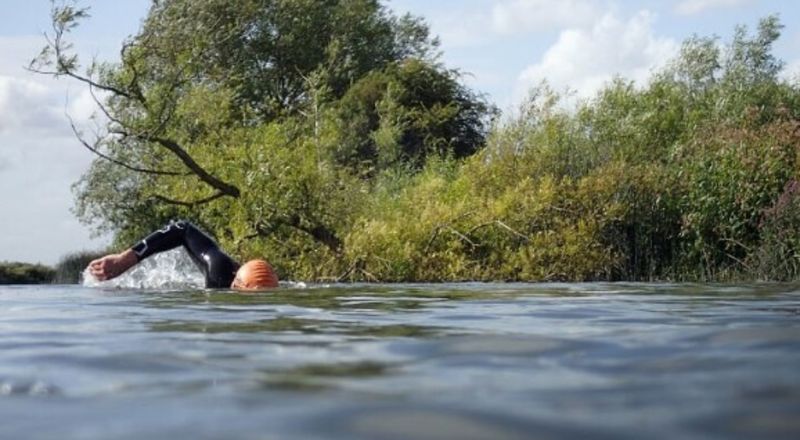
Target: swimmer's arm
<point>170,237</point>
<point>114,265</point>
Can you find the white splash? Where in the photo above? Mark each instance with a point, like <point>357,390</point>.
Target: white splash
<point>173,269</point>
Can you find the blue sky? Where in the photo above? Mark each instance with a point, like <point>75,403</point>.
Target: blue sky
<point>503,46</point>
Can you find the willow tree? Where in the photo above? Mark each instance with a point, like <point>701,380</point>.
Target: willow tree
<point>195,82</point>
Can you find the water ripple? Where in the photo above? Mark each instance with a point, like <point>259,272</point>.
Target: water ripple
<point>476,360</point>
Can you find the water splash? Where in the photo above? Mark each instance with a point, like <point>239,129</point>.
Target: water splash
<point>173,269</point>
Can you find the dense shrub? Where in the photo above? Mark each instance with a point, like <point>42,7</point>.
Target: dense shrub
<point>685,178</point>
<point>777,256</point>
<point>25,273</point>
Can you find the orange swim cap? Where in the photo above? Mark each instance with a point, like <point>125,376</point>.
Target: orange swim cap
<point>255,275</point>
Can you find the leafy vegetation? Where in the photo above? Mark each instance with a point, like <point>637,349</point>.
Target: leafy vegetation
<point>352,153</point>
<point>25,273</point>
<point>67,271</point>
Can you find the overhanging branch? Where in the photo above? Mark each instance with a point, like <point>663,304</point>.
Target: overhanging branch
<point>56,60</point>
<point>100,154</point>
<point>319,232</point>
<point>189,204</point>
<point>186,159</point>
<point>64,64</point>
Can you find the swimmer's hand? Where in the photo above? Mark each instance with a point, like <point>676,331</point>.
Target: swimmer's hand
<point>112,266</point>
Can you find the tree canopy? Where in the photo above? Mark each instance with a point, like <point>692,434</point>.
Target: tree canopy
<point>200,84</point>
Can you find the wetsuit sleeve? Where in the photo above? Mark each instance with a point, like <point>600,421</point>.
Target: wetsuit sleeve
<point>218,267</point>
<point>170,237</point>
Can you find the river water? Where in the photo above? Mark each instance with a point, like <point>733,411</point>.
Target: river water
<point>461,361</point>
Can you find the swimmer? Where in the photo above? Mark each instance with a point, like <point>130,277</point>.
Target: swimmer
<point>219,269</point>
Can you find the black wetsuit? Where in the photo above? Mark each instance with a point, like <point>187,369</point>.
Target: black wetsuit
<point>218,267</point>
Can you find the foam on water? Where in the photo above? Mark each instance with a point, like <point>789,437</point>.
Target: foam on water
<point>173,269</point>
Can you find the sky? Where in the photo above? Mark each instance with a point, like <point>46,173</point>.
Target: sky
<point>502,47</point>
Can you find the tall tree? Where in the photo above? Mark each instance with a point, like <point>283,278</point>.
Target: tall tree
<point>197,71</point>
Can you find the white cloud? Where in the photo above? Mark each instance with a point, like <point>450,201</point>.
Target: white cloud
<point>27,104</point>
<point>39,159</point>
<point>81,106</point>
<point>583,60</point>
<point>464,25</point>
<point>792,71</point>
<point>691,7</point>
<point>32,100</point>
<point>458,29</point>
<point>17,52</point>
<point>36,198</point>
<point>522,16</point>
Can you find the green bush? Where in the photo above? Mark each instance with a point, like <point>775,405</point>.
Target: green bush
<point>25,273</point>
<point>777,256</point>
<point>680,179</point>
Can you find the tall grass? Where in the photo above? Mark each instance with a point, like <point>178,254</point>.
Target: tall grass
<point>69,268</point>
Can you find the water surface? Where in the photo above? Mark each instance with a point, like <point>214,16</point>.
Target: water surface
<point>466,361</point>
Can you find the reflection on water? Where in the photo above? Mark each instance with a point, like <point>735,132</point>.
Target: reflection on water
<point>467,361</point>
<point>288,324</point>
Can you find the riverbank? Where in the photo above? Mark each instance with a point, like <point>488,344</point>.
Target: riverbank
<point>67,271</point>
